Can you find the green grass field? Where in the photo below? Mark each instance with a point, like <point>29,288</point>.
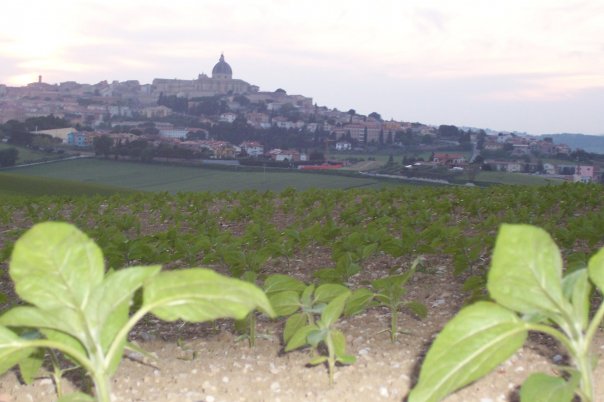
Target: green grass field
<point>19,185</point>
<point>515,178</point>
<point>173,179</point>
<point>27,155</point>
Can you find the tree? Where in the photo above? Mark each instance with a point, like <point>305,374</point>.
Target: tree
<point>8,157</point>
<point>352,113</point>
<point>102,145</point>
<point>448,131</point>
<point>480,139</point>
<point>316,156</point>
<point>376,116</point>
<point>18,133</point>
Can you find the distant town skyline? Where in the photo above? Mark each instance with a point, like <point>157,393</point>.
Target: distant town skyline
<point>535,67</point>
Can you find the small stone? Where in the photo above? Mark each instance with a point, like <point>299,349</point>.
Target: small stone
<point>364,352</point>
<point>275,387</point>
<point>225,379</point>
<point>557,359</point>
<point>438,302</point>
<point>384,392</point>
<point>273,369</point>
<point>210,398</point>
<point>486,400</point>
<point>194,371</point>
<point>46,381</point>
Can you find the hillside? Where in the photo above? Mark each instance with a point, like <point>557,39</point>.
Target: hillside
<point>589,143</point>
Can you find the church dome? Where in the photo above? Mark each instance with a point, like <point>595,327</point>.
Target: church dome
<point>222,70</point>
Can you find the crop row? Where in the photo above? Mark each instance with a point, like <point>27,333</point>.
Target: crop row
<point>242,231</point>
<point>244,234</point>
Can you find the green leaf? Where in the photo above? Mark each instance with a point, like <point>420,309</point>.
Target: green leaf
<point>540,387</point>
<point>317,360</point>
<point>199,295</point>
<point>368,251</point>
<point>339,342</point>
<point>473,343</point>
<point>300,337</point>
<point>60,319</point>
<point>54,264</point>
<point>326,293</point>
<point>419,309</point>
<point>358,301</point>
<point>346,359</point>
<point>285,303</point>
<point>306,297</point>
<point>110,301</point>
<point>30,366</point>
<point>334,309</point>
<point>316,336</point>
<point>12,349</point>
<point>576,288</point>
<point>279,283</point>
<point>526,271</point>
<point>329,275</point>
<point>292,325</point>
<point>596,269</point>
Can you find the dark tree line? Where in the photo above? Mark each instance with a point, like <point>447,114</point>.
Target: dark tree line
<point>8,157</point>
<point>20,133</point>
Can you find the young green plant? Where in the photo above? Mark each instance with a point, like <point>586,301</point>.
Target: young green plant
<point>390,292</point>
<point>530,294</point>
<point>83,313</point>
<point>324,332</point>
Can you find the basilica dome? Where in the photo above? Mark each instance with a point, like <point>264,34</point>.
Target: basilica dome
<point>222,70</point>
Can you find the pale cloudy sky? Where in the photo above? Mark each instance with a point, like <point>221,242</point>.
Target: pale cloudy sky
<point>525,65</point>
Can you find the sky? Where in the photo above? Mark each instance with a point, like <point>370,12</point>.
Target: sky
<point>534,66</point>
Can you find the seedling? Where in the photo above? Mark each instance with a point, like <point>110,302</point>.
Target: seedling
<point>345,268</point>
<point>83,312</point>
<point>302,307</point>
<point>324,332</point>
<point>390,292</point>
<point>530,294</point>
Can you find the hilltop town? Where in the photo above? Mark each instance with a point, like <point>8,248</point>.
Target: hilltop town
<point>221,118</point>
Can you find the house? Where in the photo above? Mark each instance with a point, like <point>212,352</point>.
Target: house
<point>502,138</point>
<point>584,174</point>
<point>258,120</point>
<point>492,144</point>
<point>252,148</point>
<point>549,168</point>
<point>61,133</point>
<point>343,146</point>
<point>449,160</point>
<point>505,166</point>
<point>80,139</point>
<point>219,149</point>
<point>227,117</point>
<point>286,155</point>
<point>312,127</point>
<point>283,122</point>
<point>174,133</point>
<point>153,112</point>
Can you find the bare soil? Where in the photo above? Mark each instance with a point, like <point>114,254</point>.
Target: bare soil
<point>207,362</point>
